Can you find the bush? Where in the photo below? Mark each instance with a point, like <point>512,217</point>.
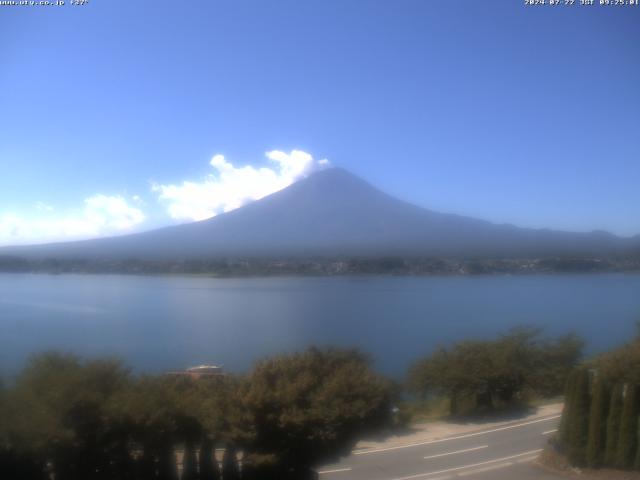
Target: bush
<point>311,407</point>
<point>92,420</point>
<point>497,372</point>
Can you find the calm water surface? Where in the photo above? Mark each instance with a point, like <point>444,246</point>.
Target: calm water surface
<point>163,323</point>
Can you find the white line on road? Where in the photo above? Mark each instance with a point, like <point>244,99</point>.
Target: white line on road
<point>457,451</point>
<point>324,472</point>
<point>463,467</point>
<point>485,469</point>
<point>527,459</point>
<point>550,431</point>
<point>484,432</point>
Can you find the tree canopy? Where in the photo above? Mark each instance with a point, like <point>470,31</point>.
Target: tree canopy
<point>95,420</point>
<point>311,407</point>
<point>487,372</point>
<point>599,425</point>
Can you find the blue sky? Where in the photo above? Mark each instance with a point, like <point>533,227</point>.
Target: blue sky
<point>527,115</point>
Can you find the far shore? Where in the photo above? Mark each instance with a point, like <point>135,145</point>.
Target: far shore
<point>325,267</point>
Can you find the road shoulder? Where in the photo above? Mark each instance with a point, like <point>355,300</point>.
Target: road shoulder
<point>440,430</point>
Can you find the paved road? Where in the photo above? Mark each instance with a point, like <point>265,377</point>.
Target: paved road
<point>505,452</point>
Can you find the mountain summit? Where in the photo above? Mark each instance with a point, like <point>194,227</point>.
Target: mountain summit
<point>334,213</point>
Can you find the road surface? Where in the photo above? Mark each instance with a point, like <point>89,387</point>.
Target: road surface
<point>498,453</point>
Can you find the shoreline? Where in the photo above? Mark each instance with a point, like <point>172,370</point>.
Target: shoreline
<point>326,267</point>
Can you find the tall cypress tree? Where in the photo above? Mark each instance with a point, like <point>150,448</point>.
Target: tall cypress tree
<point>613,425</point>
<point>167,468</point>
<point>636,462</point>
<point>627,439</point>
<point>230,468</point>
<point>565,421</point>
<point>597,422</point>
<point>189,463</point>
<point>208,463</point>
<point>579,419</point>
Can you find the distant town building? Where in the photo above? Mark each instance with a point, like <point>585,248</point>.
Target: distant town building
<point>200,371</point>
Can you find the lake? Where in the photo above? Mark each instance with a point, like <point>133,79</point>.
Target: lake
<point>163,323</point>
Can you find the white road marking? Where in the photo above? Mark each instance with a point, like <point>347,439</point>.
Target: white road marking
<point>485,469</point>
<point>376,450</point>
<point>324,472</point>
<point>472,465</point>
<point>550,431</point>
<point>457,451</point>
<point>528,459</point>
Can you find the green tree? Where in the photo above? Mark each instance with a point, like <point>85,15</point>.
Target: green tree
<point>208,465</point>
<point>439,375</point>
<point>556,359</point>
<point>636,461</point>
<point>479,371</point>
<point>613,425</point>
<point>627,439</point>
<point>621,364</point>
<point>497,371</point>
<point>189,462</point>
<point>220,416</point>
<point>64,415</point>
<point>311,407</point>
<point>17,460</point>
<point>152,410</point>
<point>579,419</point>
<point>598,422</point>
<point>230,468</point>
<point>565,421</point>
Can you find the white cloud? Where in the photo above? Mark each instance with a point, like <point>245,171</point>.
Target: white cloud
<point>100,215</point>
<point>43,207</point>
<point>231,187</point>
<point>111,213</point>
<point>226,188</point>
